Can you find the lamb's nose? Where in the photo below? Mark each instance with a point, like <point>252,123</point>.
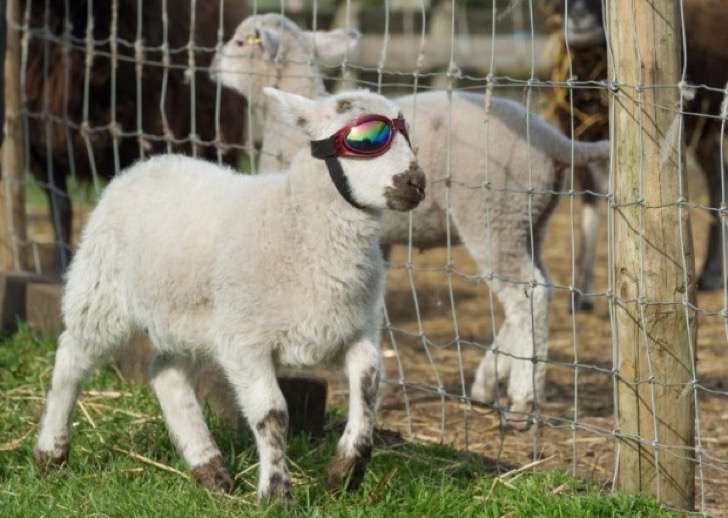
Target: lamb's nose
<point>418,183</point>
<point>416,180</point>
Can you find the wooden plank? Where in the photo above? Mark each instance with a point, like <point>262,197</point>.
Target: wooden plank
<point>43,308</point>
<point>512,53</point>
<point>653,276</point>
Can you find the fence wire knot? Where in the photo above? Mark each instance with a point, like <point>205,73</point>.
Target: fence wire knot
<point>611,85</point>
<point>687,91</point>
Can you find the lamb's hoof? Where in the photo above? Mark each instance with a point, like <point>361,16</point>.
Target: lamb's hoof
<point>710,281</point>
<point>347,472</point>
<point>214,476</point>
<point>47,460</point>
<point>278,491</point>
<point>482,394</point>
<point>519,416</point>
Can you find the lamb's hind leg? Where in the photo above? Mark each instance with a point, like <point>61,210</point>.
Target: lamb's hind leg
<point>75,362</point>
<point>254,380</point>
<point>493,368</point>
<point>527,307</point>
<point>522,343</point>
<point>170,380</point>
<point>502,250</point>
<point>592,179</point>
<point>363,368</point>
<point>583,300</point>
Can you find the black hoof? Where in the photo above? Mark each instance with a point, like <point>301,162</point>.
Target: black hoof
<point>581,305</point>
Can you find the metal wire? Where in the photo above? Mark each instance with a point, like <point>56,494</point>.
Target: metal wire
<point>428,379</point>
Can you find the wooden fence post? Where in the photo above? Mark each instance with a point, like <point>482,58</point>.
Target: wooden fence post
<point>653,276</point>
<point>13,235</point>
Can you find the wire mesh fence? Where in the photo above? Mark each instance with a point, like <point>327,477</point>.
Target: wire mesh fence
<point>496,338</point>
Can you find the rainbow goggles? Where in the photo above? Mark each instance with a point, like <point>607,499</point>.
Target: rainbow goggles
<point>367,136</point>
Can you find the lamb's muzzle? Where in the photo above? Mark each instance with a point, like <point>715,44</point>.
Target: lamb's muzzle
<point>408,190</point>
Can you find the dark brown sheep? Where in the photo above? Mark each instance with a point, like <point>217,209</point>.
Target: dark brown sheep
<point>117,131</point>
<point>707,57</point>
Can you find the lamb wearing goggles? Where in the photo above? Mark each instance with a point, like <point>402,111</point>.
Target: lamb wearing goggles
<point>283,271</point>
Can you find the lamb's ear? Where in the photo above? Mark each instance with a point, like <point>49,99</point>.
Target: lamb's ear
<point>269,41</point>
<point>332,46</point>
<point>295,109</point>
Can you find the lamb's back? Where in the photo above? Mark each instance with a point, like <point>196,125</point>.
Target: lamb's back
<point>160,227</point>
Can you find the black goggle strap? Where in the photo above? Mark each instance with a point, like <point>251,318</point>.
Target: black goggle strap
<point>326,150</point>
<point>401,125</point>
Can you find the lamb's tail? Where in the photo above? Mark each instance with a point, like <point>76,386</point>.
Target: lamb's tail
<point>583,152</point>
<point>542,134</point>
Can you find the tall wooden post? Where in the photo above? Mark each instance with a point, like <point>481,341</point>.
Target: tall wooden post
<point>12,194</point>
<point>653,276</point>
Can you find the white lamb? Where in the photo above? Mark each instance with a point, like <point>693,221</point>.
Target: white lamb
<point>498,171</point>
<point>252,273</point>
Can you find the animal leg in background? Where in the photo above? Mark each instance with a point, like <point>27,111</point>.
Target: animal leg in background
<point>500,243</point>
<point>588,236</point>
<point>522,342</point>
<point>708,155</point>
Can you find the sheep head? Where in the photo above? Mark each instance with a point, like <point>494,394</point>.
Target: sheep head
<point>271,50</point>
<point>390,180</point>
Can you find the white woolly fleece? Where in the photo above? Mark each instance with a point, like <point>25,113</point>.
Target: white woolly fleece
<point>249,272</point>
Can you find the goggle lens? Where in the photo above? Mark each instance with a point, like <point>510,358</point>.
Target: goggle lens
<point>369,136</point>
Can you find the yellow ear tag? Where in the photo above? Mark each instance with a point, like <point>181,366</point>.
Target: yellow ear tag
<point>253,40</point>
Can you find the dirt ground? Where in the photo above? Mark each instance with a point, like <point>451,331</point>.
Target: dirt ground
<point>577,416</point>
<point>582,397</point>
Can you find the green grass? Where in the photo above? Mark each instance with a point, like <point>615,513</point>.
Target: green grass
<point>83,194</point>
<point>121,433</point>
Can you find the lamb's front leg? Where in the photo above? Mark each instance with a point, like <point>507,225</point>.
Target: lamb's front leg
<point>363,367</point>
<point>263,405</point>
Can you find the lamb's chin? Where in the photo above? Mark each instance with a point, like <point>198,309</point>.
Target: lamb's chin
<point>403,203</point>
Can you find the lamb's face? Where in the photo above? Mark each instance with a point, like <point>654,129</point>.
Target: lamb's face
<point>392,180</point>
<point>247,62</point>
<point>269,48</point>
